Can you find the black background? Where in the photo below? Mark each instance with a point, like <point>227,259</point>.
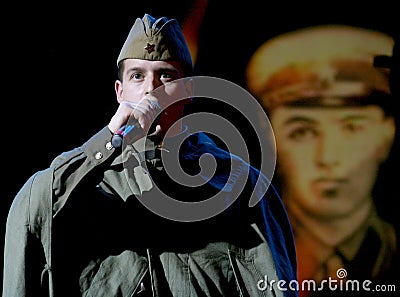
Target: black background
<point>59,67</point>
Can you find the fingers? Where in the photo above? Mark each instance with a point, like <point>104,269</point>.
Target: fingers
<point>144,111</point>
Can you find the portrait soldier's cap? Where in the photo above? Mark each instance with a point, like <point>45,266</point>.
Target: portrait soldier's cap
<point>156,40</point>
<point>329,65</point>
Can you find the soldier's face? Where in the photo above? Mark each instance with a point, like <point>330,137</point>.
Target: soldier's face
<point>329,157</point>
<point>160,81</point>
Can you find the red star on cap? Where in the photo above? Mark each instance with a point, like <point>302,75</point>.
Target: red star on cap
<point>149,47</point>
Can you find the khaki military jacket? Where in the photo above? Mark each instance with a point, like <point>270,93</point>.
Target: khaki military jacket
<point>60,242</point>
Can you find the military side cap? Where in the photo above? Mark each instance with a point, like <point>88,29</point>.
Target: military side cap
<point>393,63</point>
<point>156,40</point>
<point>318,65</point>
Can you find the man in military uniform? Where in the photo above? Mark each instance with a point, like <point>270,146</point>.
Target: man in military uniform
<point>86,226</point>
<point>331,113</point>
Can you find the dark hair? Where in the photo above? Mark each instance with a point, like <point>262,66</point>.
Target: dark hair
<point>120,70</point>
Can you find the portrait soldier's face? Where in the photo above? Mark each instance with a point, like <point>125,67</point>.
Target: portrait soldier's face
<point>328,157</point>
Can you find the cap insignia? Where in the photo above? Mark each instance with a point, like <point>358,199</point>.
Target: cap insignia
<point>149,47</point>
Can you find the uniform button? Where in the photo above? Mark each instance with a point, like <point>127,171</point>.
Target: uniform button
<point>98,156</point>
<point>109,146</point>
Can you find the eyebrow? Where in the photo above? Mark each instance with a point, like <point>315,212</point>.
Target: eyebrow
<point>135,68</point>
<point>354,117</point>
<point>299,119</point>
<point>163,69</point>
<point>295,119</point>
<point>173,69</point>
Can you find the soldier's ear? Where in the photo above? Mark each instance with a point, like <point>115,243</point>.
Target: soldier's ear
<point>388,135</point>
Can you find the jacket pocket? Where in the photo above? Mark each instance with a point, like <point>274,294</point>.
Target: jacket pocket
<point>254,270</point>
<point>118,275</point>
